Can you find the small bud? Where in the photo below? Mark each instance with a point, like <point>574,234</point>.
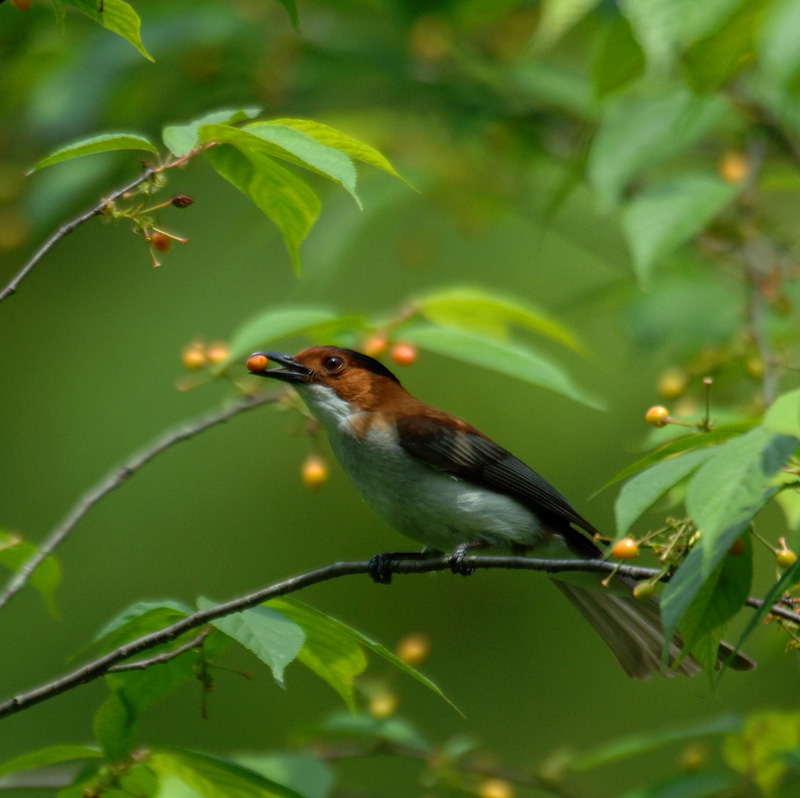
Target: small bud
<point>414,648</point>
<point>383,704</point>
<point>376,346</point>
<point>161,242</point>
<point>625,549</point>
<point>734,167</point>
<point>217,352</point>
<point>314,472</point>
<point>257,363</point>
<point>194,356</point>
<point>644,591</point>
<point>657,416</point>
<point>672,382</point>
<point>496,788</point>
<point>785,558</point>
<point>182,201</point>
<point>404,354</point>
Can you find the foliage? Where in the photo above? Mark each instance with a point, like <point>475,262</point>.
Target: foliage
<point>674,124</point>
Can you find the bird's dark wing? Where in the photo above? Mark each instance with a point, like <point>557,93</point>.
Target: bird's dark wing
<point>463,451</point>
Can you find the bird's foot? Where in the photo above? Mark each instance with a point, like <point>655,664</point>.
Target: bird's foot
<point>457,564</point>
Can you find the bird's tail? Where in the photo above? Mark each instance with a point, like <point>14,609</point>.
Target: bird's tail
<point>632,630</point>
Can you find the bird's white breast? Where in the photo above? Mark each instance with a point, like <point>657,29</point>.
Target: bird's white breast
<point>423,503</point>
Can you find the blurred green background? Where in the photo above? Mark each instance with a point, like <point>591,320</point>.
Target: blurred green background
<point>493,130</point>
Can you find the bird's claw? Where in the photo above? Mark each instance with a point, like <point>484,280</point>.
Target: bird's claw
<point>457,564</point>
<point>380,570</point>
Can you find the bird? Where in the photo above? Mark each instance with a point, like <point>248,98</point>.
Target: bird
<point>438,480</point>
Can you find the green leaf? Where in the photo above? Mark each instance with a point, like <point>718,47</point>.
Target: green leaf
<point>619,60</point>
<point>723,497</point>
<point>666,215</point>
<point>730,488</point>
<point>48,756</point>
<point>685,444</point>
<point>716,59</point>
<point>692,785</point>
<point>116,726</point>
<point>557,17</point>
<point>331,137</point>
<point>285,199</point>
<point>657,28</point>
<point>472,309</point>
<point>105,142</point>
<point>504,357</point>
<point>783,416</point>
<point>182,139</point>
<point>301,771</point>
<point>274,324</point>
<point>755,751</point>
<point>787,580</point>
<point>272,637</point>
<point>139,619</point>
<point>638,133</point>
<point>291,10</point>
<point>651,484</point>
<point>393,730</point>
<point>643,742</point>
<point>300,148</point>
<point>212,777</point>
<point>330,649</point>
<point>116,16</point>
<point>720,597</point>
<point>15,552</point>
<point>303,611</point>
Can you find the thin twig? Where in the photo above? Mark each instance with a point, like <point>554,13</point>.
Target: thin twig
<point>67,228</point>
<point>117,478</point>
<point>159,659</point>
<point>100,666</point>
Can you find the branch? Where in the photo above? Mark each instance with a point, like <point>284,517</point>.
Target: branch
<point>67,228</point>
<point>117,478</point>
<point>102,665</point>
<point>159,659</point>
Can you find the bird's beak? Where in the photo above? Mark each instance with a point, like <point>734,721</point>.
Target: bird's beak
<point>291,370</point>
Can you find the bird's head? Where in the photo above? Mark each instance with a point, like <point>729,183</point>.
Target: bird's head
<point>324,375</point>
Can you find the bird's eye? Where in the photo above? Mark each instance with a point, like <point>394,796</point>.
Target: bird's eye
<point>333,363</point>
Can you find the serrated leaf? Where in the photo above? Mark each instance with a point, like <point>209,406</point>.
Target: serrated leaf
<point>783,416</point>
<point>116,16</point>
<point>275,324</point>
<point>300,148</point>
<point>48,756</point>
<point>504,357</point>
<point>284,198</point>
<point>330,649</point>
<point>484,313</point>
<point>337,627</point>
<point>271,636</point>
<point>638,133</point>
<point>182,139</point>
<point>714,60</point>
<point>685,444</point>
<point>720,597</point>
<point>331,137</point>
<point>105,142</point>
<point>668,214</point>
<point>15,552</point>
<point>651,484</point>
<point>723,497</point>
<point>619,60</point>
<point>212,777</point>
